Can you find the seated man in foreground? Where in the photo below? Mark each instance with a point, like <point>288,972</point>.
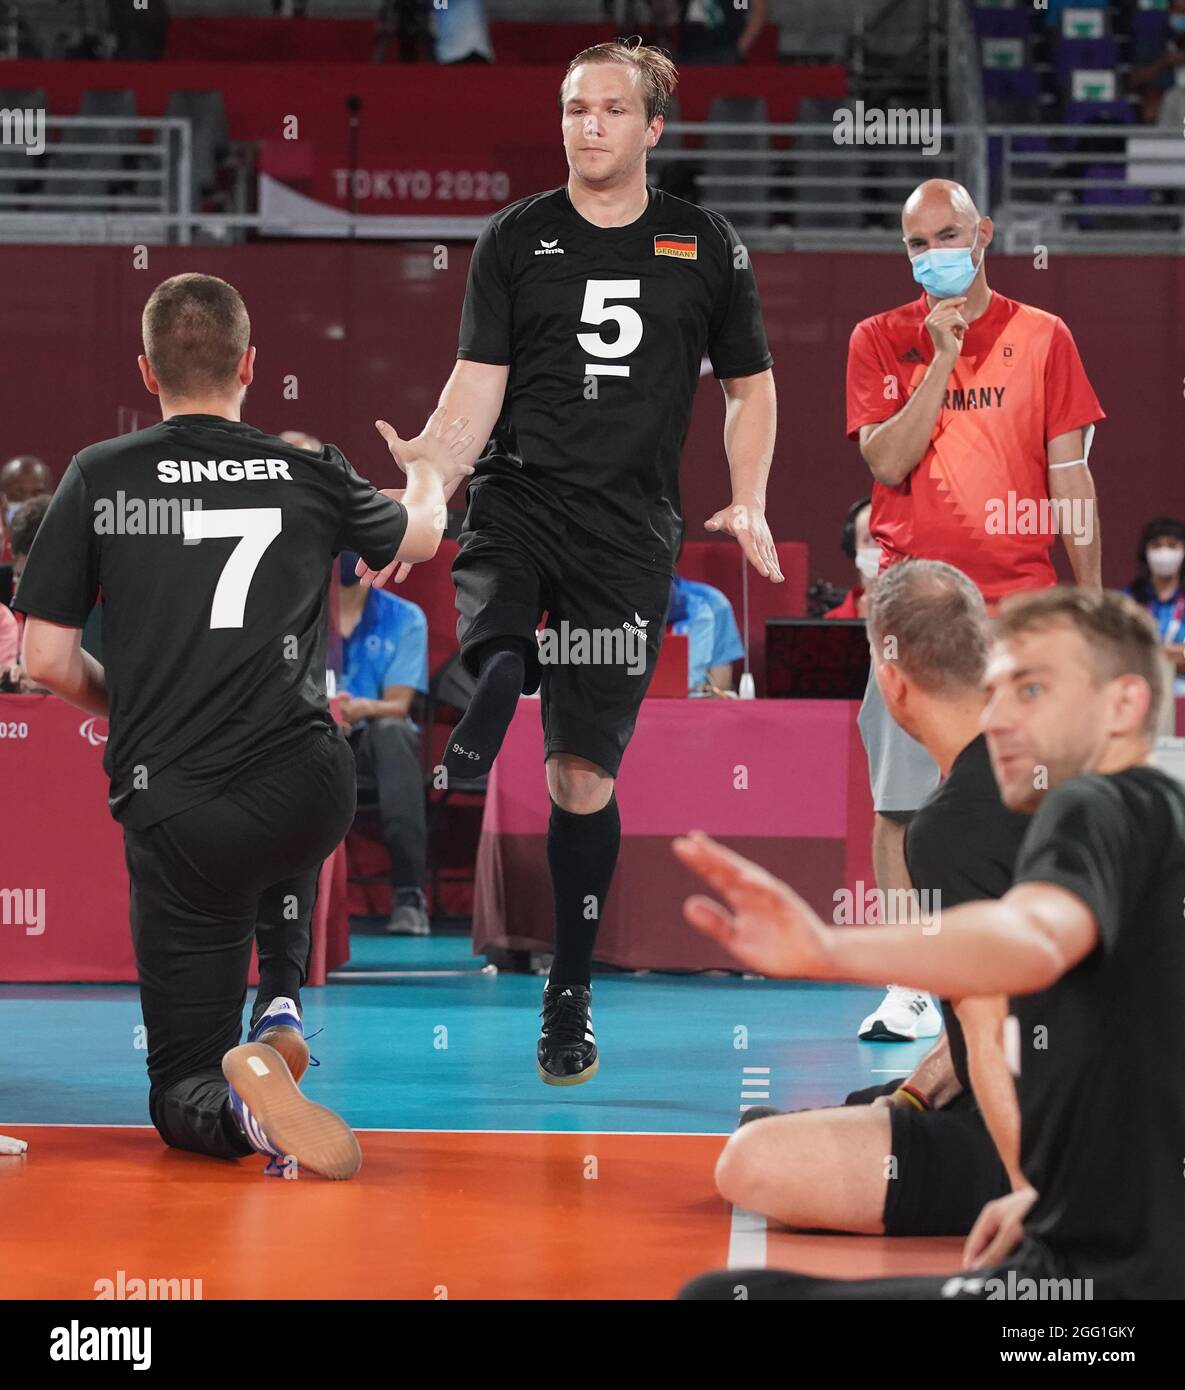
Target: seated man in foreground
<point>1088,943</point>
<point>827,1169</point>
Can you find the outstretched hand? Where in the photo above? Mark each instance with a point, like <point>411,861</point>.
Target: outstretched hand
<point>770,928</point>
<point>747,523</point>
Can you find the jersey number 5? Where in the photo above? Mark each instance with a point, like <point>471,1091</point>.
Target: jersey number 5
<point>597,310</point>
<point>257,527</point>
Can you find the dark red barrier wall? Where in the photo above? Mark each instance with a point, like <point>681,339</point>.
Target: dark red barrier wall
<point>370,330</point>
<point>479,137</point>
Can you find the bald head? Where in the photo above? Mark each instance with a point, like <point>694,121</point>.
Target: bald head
<point>23,477</point>
<point>941,198</point>
<point>941,213</point>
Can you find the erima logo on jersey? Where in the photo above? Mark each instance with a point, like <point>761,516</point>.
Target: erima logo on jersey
<point>550,248</point>
<point>639,625</point>
<point>222,470</point>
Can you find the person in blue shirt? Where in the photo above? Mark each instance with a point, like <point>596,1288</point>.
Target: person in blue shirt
<point>384,664</point>
<point>1159,587</point>
<point>704,615</point>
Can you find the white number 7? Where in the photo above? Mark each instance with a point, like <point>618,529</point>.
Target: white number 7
<point>258,527</point>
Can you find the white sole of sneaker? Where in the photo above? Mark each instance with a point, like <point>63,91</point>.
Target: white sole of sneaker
<point>318,1139</point>
<point>586,1075</point>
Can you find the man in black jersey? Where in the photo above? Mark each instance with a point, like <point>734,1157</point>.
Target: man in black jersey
<point>211,544</point>
<point>915,1156</point>
<point>1088,943</point>
<point>588,311</point>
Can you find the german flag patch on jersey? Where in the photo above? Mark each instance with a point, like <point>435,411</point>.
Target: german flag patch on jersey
<point>683,248</point>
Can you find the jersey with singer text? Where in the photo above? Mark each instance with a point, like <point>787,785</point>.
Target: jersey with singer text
<point>604,330</point>
<point>976,498</point>
<point>211,544</point>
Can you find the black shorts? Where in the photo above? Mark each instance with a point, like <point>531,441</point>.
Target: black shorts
<point>605,615</point>
<point>947,1167</point>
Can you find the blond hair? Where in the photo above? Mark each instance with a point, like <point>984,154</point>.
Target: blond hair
<point>658,75</point>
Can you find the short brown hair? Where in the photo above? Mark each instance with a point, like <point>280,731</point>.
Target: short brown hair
<point>1120,635</point>
<point>939,621</point>
<point>28,518</point>
<point>195,330</point>
<point>658,75</point>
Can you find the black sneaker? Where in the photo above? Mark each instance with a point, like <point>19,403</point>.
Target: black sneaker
<point>567,1052</point>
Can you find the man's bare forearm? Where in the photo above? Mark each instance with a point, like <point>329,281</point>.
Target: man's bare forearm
<point>79,680</point>
<point>897,445</point>
<point>424,500</point>
<point>474,391</point>
<point>991,1081</point>
<point>750,429</point>
<point>980,948</point>
<point>1072,489</point>
<point>934,1075</point>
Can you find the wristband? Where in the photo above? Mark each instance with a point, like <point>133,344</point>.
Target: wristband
<point>914,1096</point>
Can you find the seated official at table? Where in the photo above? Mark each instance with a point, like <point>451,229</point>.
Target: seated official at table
<point>857,544</point>
<point>704,616</point>
<point>384,663</point>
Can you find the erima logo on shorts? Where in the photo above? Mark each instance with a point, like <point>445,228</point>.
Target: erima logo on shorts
<point>550,248</point>
<point>222,470</point>
<point>641,625</point>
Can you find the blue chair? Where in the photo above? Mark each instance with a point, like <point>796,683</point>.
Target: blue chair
<point>1003,24</point>
<point>1116,112</point>
<point>1083,53</point>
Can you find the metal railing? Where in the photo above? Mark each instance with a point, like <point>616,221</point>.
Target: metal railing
<point>104,178</point>
<point>794,187</point>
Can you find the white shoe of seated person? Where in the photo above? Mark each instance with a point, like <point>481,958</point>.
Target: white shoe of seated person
<point>903,1015</point>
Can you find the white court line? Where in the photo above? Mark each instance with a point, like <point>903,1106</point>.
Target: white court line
<point>746,1240</point>
<point>611,1133</point>
<point>364,977</point>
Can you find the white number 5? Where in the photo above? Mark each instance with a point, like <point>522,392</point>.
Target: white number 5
<point>596,310</point>
<point>258,527</point>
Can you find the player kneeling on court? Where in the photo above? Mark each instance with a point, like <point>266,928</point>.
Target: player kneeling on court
<point>229,776</point>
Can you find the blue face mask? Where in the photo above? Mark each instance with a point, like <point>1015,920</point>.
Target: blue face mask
<point>947,272</point>
<point>346,562</point>
<point>1177,23</point>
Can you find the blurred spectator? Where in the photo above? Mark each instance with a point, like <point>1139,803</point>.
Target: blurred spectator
<point>384,664</point>
<point>462,33</point>
<point>704,615</point>
<point>1154,79</point>
<point>25,519</point>
<point>21,477</point>
<point>719,31</point>
<point>1158,587</point>
<point>857,544</point>
<point>10,638</point>
<point>139,29</point>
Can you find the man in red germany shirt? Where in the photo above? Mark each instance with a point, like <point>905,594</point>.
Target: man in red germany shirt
<point>975,417</point>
